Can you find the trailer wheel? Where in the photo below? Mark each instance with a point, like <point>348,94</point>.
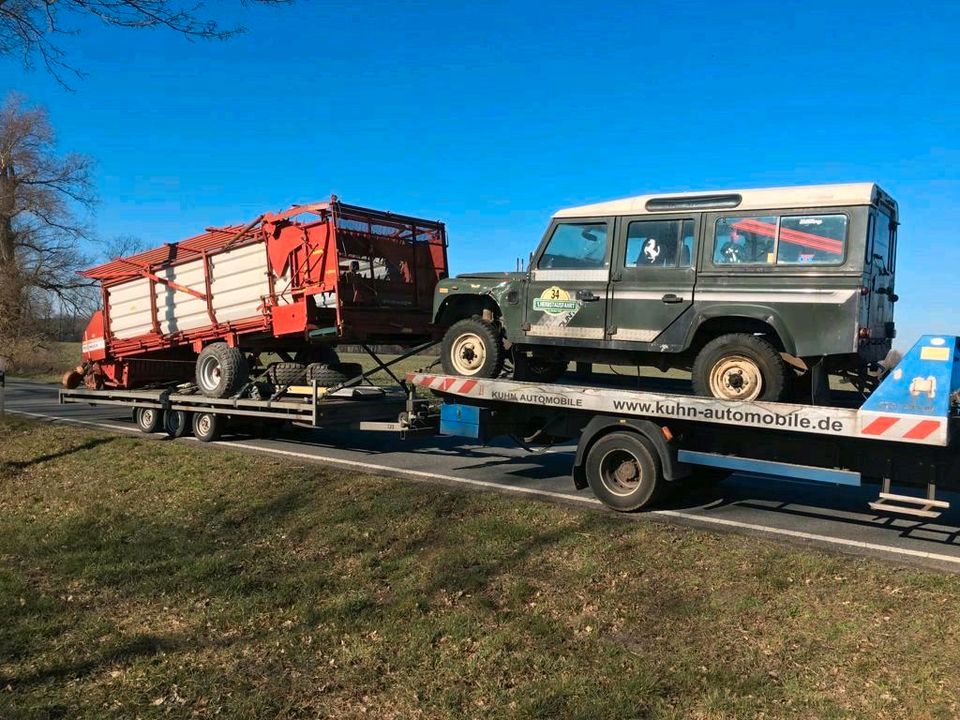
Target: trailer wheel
<point>472,348</point>
<point>333,374</point>
<point>740,367</point>
<point>221,370</point>
<point>207,427</point>
<point>147,419</point>
<point>176,423</point>
<point>623,471</point>
<point>284,374</point>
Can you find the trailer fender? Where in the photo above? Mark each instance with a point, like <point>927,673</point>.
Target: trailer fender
<point>599,426</point>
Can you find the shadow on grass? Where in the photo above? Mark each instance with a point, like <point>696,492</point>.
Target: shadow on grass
<point>16,466</point>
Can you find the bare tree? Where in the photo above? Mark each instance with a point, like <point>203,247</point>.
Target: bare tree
<point>42,198</point>
<point>36,28</point>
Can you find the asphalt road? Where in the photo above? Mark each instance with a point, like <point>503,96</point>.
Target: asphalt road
<point>830,517</point>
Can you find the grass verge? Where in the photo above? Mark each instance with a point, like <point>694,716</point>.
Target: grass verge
<point>146,578</point>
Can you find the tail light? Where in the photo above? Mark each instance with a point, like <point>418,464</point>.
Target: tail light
<point>864,332</point>
<point>864,291</point>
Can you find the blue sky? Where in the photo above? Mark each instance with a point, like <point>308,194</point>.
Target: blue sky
<point>491,115</point>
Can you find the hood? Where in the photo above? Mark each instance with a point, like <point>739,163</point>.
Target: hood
<point>501,276</point>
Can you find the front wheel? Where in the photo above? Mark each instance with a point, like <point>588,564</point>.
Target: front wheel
<point>472,348</point>
<point>740,367</point>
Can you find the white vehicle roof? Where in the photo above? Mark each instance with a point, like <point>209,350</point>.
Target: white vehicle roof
<point>800,196</point>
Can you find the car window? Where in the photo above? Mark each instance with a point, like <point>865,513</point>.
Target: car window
<point>659,243</point>
<point>575,246</point>
<point>746,240</point>
<point>812,240</point>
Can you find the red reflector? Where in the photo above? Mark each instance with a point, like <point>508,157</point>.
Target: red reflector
<point>864,332</point>
<point>864,291</point>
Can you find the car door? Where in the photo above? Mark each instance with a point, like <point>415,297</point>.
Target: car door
<point>653,276</point>
<point>566,299</point>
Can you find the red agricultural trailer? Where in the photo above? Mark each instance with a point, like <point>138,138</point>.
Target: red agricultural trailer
<point>294,283</point>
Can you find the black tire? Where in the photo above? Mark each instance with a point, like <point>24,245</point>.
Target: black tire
<point>740,367</point>
<point>176,423</point>
<point>472,348</point>
<point>221,370</point>
<point>538,370</point>
<point>207,427</point>
<point>148,419</point>
<point>283,374</point>
<point>330,375</point>
<point>623,470</point>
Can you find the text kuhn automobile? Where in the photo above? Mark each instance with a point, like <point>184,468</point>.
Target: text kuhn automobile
<point>748,289</point>
<point>293,283</point>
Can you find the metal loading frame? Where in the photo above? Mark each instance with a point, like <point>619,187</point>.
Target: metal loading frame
<point>914,403</point>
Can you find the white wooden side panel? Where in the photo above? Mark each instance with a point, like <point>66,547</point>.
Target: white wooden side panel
<point>178,310</point>
<point>239,283</point>
<point>129,309</point>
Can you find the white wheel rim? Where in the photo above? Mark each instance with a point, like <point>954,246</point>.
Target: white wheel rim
<point>468,354</point>
<point>736,377</point>
<point>621,472</point>
<point>146,417</point>
<point>203,424</point>
<point>209,373</point>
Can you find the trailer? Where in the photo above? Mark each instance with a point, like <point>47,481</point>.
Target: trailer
<point>293,283</point>
<point>634,445</point>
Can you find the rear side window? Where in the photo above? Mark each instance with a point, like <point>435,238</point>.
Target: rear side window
<point>659,243</point>
<point>575,246</point>
<point>812,240</point>
<point>780,240</point>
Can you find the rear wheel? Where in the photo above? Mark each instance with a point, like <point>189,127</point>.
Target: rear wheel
<point>207,427</point>
<point>221,370</point>
<point>147,419</point>
<point>472,348</point>
<point>623,471</point>
<point>740,367</point>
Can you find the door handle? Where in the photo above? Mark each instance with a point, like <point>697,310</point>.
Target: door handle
<point>671,299</point>
<point>587,296</point>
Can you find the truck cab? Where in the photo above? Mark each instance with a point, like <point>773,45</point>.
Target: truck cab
<point>747,289</point>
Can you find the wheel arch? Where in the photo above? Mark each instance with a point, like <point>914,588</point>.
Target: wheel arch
<point>725,320</point>
<point>605,424</point>
<point>458,307</point>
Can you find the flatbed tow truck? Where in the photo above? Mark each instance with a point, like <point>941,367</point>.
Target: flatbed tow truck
<point>632,445</point>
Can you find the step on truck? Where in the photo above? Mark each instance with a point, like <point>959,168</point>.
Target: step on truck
<point>632,445</point>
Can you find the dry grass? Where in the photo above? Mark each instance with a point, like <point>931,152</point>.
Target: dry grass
<point>147,578</point>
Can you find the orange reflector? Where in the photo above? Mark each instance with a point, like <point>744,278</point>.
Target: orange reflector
<point>666,433</point>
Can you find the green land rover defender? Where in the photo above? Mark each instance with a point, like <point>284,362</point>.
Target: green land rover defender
<point>748,289</point>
